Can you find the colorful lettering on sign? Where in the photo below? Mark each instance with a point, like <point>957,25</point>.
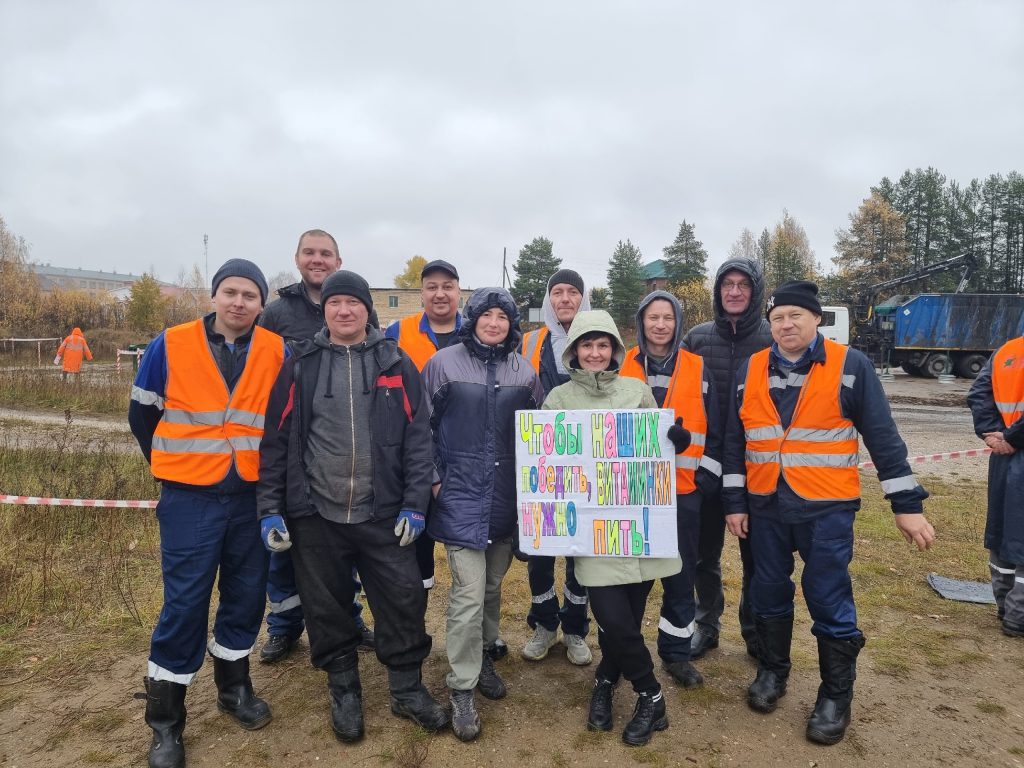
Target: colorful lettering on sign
<point>622,537</point>
<point>632,483</point>
<point>560,438</point>
<point>559,480</point>
<point>625,435</point>
<point>547,518</point>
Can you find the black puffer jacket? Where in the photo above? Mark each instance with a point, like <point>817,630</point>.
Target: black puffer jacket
<point>474,391</point>
<point>723,348</point>
<point>295,316</point>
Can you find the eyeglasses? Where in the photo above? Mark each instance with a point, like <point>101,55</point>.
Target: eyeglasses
<point>744,285</point>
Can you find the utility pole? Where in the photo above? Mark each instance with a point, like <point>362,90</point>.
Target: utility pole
<point>206,257</point>
<point>504,270</point>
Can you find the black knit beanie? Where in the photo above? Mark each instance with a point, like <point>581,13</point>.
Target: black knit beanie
<point>346,283</point>
<point>242,268</point>
<point>797,293</point>
<point>568,277</point>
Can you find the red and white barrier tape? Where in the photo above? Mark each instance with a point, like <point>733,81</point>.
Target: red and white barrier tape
<point>968,454</point>
<point>47,501</point>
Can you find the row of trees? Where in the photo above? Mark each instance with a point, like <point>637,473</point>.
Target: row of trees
<point>783,250</point>
<point>27,311</point>
<point>924,218</point>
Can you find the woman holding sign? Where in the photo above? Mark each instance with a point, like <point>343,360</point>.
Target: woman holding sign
<point>617,586</point>
<point>474,390</point>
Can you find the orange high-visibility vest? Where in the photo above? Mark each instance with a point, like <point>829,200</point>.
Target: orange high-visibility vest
<point>72,350</point>
<point>204,427</point>
<point>1008,380</point>
<point>414,342</point>
<point>533,342</point>
<point>818,453</point>
<point>685,397</point>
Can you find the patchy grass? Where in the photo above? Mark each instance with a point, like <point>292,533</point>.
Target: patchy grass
<point>990,707</point>
<point>646,756</point>
<point>100,391</point>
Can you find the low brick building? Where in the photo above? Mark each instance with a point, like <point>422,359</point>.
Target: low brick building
<point>395,303</point>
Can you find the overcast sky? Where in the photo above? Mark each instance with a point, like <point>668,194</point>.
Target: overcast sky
<point>454,129</point>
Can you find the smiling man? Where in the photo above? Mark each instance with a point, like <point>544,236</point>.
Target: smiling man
<point>197,411</point>
<point>298,316</point>
<point>345,472</point>
<point>791,483</point>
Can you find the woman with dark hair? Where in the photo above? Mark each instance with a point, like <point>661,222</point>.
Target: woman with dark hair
<point>474,389</point>
<point>617,586</point>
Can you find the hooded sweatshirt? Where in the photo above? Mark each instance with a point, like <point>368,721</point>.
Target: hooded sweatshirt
<point>606,389</point>
<point>725,349</point>
<point>338,452</point>
<point>659,377</point>
<point>552,370</point>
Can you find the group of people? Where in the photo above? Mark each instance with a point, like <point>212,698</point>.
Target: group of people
<point>347,452</point>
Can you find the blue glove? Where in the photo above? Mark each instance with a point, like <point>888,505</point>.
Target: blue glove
<point>409,526</point>
<point>274,533</point>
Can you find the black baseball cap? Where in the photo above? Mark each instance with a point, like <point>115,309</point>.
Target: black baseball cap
<point>439,264</point>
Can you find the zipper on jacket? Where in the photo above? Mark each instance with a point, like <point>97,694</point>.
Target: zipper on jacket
<point>352,429</point>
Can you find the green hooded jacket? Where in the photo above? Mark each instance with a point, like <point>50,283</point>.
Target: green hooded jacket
<point>606,389</point>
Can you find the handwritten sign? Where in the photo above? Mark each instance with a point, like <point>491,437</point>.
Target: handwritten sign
<point>596,483</point>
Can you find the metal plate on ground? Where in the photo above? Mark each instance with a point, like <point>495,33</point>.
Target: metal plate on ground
<point>962,591</point>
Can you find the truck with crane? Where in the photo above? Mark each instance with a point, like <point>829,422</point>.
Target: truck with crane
<point>928,334</point>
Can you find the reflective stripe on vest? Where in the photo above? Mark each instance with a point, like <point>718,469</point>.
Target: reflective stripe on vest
<point>414,342</point>
<point>685,397</point>
<point>819,452</point>
<point>1008,380</point>
<point>533,342</point>
<point>203,427</point>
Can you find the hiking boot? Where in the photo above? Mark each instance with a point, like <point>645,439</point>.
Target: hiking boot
<point>490,683</point>
<point>576,650</point>
<point>497,650</point>
<point>165,714</point>
<point>367,640</point>
<point>600,716</point>
<point>276,648</point>
<point>235,696</point>
<point>537,647</point>
<point>837,662</point>
<point>684,673</point>
<point>346,693</point>
<point>411,700</point>
<point>774,638</point>
<point>465,720</point>
<point>648,717</point>
<point>703,640</point>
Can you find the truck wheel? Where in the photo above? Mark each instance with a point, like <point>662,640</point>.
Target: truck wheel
<point>913,370</point>
<point>969,366</point>
<point>936,365</point>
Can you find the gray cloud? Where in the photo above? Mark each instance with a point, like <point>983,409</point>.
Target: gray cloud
<point>452,129</point>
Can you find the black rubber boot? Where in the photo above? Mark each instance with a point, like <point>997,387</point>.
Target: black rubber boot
<point>346,697</point>
<point>600,716</point>
<point>235,696</point>
<point>837,661</point>
<point>165,714</point>
<point>490,684</point>
<point>684,673</point>
<point>648,716</point>
<point>410,699</point>
<point>774,637</point>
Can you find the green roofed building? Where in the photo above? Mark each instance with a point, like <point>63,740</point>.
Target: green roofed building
<point>654,276</point>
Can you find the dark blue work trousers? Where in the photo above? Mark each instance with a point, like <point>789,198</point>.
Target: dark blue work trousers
<point>678,604</point>
<point>544,608</point>
<point>825,545</point>
<point>201,533</point>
